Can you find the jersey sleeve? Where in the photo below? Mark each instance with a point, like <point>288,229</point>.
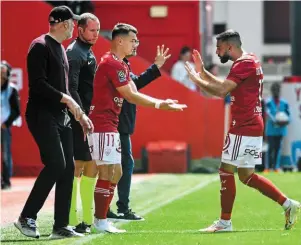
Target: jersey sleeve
<point>241,70</point>
<point>118,74</point>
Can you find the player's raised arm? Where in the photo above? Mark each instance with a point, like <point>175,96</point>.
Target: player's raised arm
<point>212,84</point>
<point>130,93</point>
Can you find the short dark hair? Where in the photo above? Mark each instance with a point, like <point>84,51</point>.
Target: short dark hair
<point>184,50</point>
<point>123,29</point>
<point>83,19</point>
<point>229,36</point>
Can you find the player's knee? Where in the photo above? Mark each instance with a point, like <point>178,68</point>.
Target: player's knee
<point>244,178</point>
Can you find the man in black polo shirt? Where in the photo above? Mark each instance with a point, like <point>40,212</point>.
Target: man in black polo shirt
<point>82,67</point>
<point>126,126</point>
<point>48,122</point>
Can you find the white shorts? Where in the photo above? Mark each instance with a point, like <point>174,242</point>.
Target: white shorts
<point>242,151</point>
<point>105,148</point>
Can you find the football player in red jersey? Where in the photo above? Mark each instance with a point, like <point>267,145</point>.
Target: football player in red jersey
<point>243,144</point>
<point>112,84</point>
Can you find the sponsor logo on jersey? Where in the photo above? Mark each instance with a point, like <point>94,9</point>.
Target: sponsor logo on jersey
<point>118,101</point>
<point>258,109</point>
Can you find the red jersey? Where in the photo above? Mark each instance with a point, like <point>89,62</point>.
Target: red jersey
<point>107,102</point>
<point>246,108</point>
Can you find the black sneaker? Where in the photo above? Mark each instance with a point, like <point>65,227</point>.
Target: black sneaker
<point>64,232</point>
<point>83,228</point>
<point>112,216</point>
<point>27,227</point>
<point>129,216</point>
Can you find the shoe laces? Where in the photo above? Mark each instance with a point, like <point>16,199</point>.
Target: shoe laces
<point>31,222</point>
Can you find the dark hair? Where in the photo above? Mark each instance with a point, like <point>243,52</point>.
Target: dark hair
<point>7,65</point>
<point>210,66</point>
<point>83,19</point>
<point>123,29</point>
<point>275,85</point>
<point>184,50</point>
<point>229,36</point>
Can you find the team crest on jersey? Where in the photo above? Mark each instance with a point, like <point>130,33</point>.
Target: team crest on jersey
<point>121,76</point>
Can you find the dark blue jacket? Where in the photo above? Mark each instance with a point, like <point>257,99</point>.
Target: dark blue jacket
<point>127,117</point>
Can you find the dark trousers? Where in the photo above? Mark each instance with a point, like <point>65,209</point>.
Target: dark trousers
<point>53,135</point>
<point>7,162</point>
<point>274,152</point>
<point>127,162</point>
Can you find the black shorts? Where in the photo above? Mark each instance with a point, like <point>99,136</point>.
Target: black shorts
<point>80,147</point>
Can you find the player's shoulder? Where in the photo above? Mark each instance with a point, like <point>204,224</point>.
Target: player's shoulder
<point>247,60</point>
<point>110,60</point>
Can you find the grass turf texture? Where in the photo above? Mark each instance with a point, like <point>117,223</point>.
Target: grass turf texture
<point>176,206</point>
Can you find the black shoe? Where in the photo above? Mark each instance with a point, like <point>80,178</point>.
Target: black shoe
<point>129,216</point>
<point>27,227</point>
<point>5,186</point>
<point>112,216</point>
<point>64,232</point>
<point>83,228</point>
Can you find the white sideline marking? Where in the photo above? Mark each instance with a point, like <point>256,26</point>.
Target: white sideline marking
<point>149,210</point>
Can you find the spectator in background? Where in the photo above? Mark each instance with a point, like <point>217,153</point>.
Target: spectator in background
<point>178,71</point>
<point>10,111</point>
<point>278,117</point>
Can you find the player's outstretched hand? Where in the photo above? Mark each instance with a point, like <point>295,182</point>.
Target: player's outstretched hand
<point>172,105</point>
<point>198,61</point>
<point>87,125</point>
<point>162,56</point>
<point>193,75</point>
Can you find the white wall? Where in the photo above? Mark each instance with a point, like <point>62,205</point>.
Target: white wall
<point>246,17</point>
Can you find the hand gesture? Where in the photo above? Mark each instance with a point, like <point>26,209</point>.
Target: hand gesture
<point>172,105</point>
<point>198,61</point>
<point>193,75</point>
<point>161,56</point>
<point>87,125</point>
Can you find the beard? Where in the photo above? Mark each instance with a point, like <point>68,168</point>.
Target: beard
<point>225,58</point>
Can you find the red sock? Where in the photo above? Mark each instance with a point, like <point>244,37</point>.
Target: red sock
<point>112,190</point>
<point>266,187</point>
<point>228,192</point>
<point>102,198</point>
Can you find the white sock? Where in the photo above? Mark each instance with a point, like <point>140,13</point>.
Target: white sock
<point>286,204</point>
<point>225,222</point>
